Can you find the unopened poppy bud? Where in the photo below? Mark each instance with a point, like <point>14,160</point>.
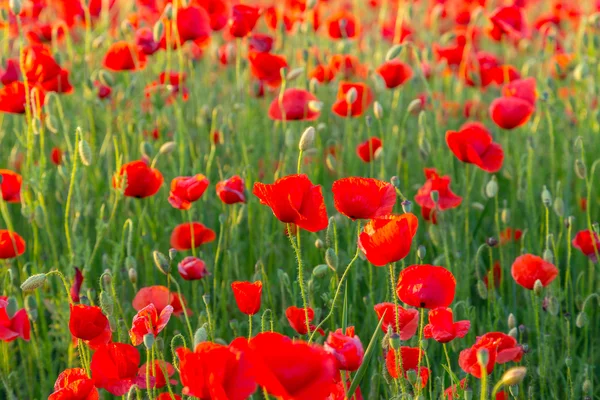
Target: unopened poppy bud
<point>580,169</point>
<point>158,30</point>
<point>126,27</point>
<point>421,252</point>
<point>394,341</point>
<point>130,262</point>
<point>329,232</point>
<point>146,149</point>
<point>168,12</point>
<point>581,320</point>
<point>106,303</point>
<point>512,321</point>
<point>294,73</point>
<point>331,259</point>
<point>568,362</point>
<point>548,256</point>
<point>33,282</point>
<point>351,96</point>
<point>483,357</point>
<point>552,305</point>
<point>149,340</point>
<point>283,277</point>
<point>411,376</point>
<point>514,333</point>
<point>315,105</point>
<point>161,262</point>
<point>85,153</point>
<point>106,277</point>
<point>414,106</point>
<point>395,181</point>
<point>491,241</point>
<point>514,376</point>
<point>538,287</point>
<point>15,6</point>
<point>406,206</point>
<point>505,216</point>
<point>167,148</point>
<point>319,244</point>
<point>546,197</point>
<point>320,270</point>
<point>587,386</point>
<point>307,139</point>
<point>11,307</point>
<point>491,189</point>
<point>482,290</point>
<point>559,207</point>
<point>172,254</point>
<point>132,274</point>
<point>200,336</point>
<point>435,196</point>
<point>377,110</point>
<point>393,52</point>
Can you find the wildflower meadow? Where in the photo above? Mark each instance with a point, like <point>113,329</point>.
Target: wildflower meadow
<point>299,199</point>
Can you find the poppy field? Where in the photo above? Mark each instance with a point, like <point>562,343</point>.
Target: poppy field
<point>299,199</point>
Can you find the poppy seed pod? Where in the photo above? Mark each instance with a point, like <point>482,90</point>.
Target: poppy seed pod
<point>406,206</point>
<point>513,376</point>
<point>351,95</point>
<point>307,139</point>
<point>483,357</point>
<point>149,340</point>
<point>33,282</point>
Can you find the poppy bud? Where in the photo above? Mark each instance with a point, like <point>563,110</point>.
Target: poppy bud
<point>559,207</point>
<point>168,12</point>
<point>330,232</point>
<point>146,149</point>
<point>307,139</point>
<point>15,6</point>
<point>538,287</point>
<point>106,303</point>
<point>51,123</point>
<point>581,320</point>
<point>377,110</point>
<point>85,153</point>
<point>552,305</point>
<point>482,290</point>
<point>505,216</point>
<point>320,270</point>
<point>161,262</point>
<point>315,106</point>
<point>126,27</point>
<point>421,252</point>
<point>513,376</point>
<point>158,30</point>
<point>3,14</point>
<point>130,262</point>
<point>514,333</point>
<point>106,277</point>
<point>546,197</point>
<point>11,307</point>
<point>295,73</point>
<point>319,244</point>
<point>435,196</point>
<point>491,189</point>
<point>132,274</point>
<point>512,321</point>
<point>580,169</point>
<point>414,106</point>
<point>406,206</point>
<point>200,336</point>
<point>331,259</point>
<point>411,376</point>
<point>548,256</point>
<point>393,52</point>
<point>568,362</point>
<point>33,282</point>
<point>172,254</point>
<point>587,386</point>
<point>351,95</point>
<point>483,357</point>
<point>491,241</point>
<point>149,340</point>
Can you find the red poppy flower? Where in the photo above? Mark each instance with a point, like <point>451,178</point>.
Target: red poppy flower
<point>74,384</point>
<point>408,319</point>
<point>39,66</point>
<point>395,73</point>
<point>13,97</point>
<point>243,19</point>
<point>385,240</point>
<point>247,296</point>
<point>410,361</point>
<point>310,376</point>
<point>294,199</point>
<point>296,316</point>
<point>142,180</point>
<point>214,371</point>
<point>473,144</point>
<point>442,328</point>
<point>260,42</point>
<point>368,150</point>
<point>451,393</point>
<point>429,215</point>
<point>529,268</point>
<point>76,286</point>
<point>115,368</point>
<point>508,21</point>
<point>426,286</point>
<point>510,234</point>
<point>10,186</point>
<point>181,237</point>
<point>160,372</point>
<point>364,98</point>
<point>103,90</point>
<point>588,243</point>
<point>11,244</point>
<point>192,268</point>
<point>122,56</point>
<point>160,297</point>
<point>187,189</point>
<point>266,67</point>
<point>523,89</point>
<point>144,39</point>
<point>322,73</point>
<point>17,326</point>
<point>342,25</point>
<point>363,198</point>
<point>346,348</point>
<point>56,156</point>
<point>510,112</point>
<point>452,53</point>
<point>507,348</point>
<point>218,11</point>
<point>12,73</point>
<point>441,184</point>
<point>232,190</point>
<point>88,322</point>
<point>193,24</point>
<point>501,348</point>
<point>294,105</point>
<point>147,320</point>
<point>497,276</point>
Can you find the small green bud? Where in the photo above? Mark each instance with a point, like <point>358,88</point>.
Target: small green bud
<point>435,196</point>
<point>546,197</point>
<point>483,357</point>
<point>505,216</point>
<point>406,206</point>
<point>514,333</point>
<point>512,321</point>
<point>548,256</point>
<point>582,320</point>
<point>331,259</point>
<point>33,282</point>
<point>491,189</point>
<point>377,110</point>
<point>200,336</point>
<point>146,149</point>
<point>421,252</point>
<point>538,287</point>
<point>167,148</point>
<point>482,290</point>
<point>307,139</point>
<point>319,244</point>
<point>85,153</point>
<point>320,270</point>
<point>395,181</point>
<point>106,303</point>
<point>553,305</point>
<point>351,96</point>
<point>132,274</point>
<point>394,52</point>
<point>514,376</point>
<point>161,262</point>
<point>149,340</point>
<point>580,169</point>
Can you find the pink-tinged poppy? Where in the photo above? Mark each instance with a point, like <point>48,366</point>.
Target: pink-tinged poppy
<point>342,25</point>
<point>103,91</point>
<point>247,296</point>
<point>473,144</point>
<point>346,348</point>
<point>192,25</point>
<point>160,372</point>
<point>352,107</point>
<point>442,328</point>
<point>11,244</point>
<point>192,268</point>
<point>441,184</point>
<point>115,368</point>
<point>508,21</point>
<point>160,297</point>
<point>529,268</point>
<point>426,286</point>
<point>89,324</point>
<point>510,112</point>
<point>232,190</point>
<point>363,198</point>
<point>144,40</point>
<point>260,42</point>
<point>588,243</point>
<point>294,105</point>
<point>181,237</point>
<point>122,56</point>
<point>187,189</point>
<point>310,376</point>
<point>385,240</point>
<point>149,321</point>
<point>266,67</point>
<point>410,357</point>
<point>395,73</point>
<point>74,384</point>
<point>13,97</point>
<point>408,319</point>
<point>12,73</point>
<point>141,179</point>
<point>523,89</point>
<point>295,200</point>
<point>10,186</point>
<point>215,371</point>
<point>76,286</point>
<point>296,316</point>
<point>15,326</point>
<point>369,149</point>
<point>243,19</point>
